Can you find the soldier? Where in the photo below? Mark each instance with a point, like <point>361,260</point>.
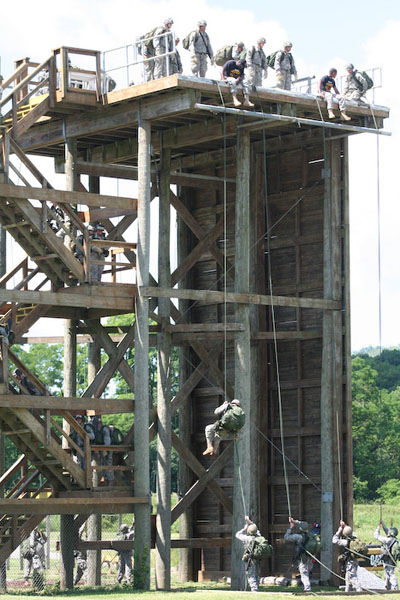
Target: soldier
<point>342,538</point>
<point>284,67</point>
<point>54,223</point>
<point>200,47</point>
<point>389,564</point>
<point>97,253</point>
<point>355,88</point>
<point>175,60</point>
<point>75,437</point>
<point>233,74</point>
<point>247,536</point>
<point>24,381</point>
<point>256,63</point>
<point>301,559</point>
<point>329,91</point>
<point>125,556</point>
<point>162,45</point>
<point>37,542</point>
<point>80,559</point>
<point>103,437</point>
<point>231,420</point>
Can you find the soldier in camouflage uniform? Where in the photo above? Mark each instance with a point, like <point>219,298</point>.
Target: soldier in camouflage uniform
<point>354,89</point>
<point>125,556</point>
<point>389,564</point>
<point>175,60</point>
<point>214,432</point>
<point>200,47</point>
<point>302,559</point>
<point>284,67</point>
<point>256,63</point>
<point>342,538</point>
<point>162,45</point>
<point>246,536</point>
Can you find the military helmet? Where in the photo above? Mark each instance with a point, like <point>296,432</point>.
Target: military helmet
<point>100,227</point>
<point>393,532</point>
<point>169,20</point>
<point>287,44</point>
<point>17,373</point>
<point>302,526</point>
<point>240,44</point>
<point>236,402</point>
<point>261,40</point>
<point>91,227</point>
<point>202,23</point>
<point>349,66</point>
<point>347,531</point>
<point>78,417</point>
<point>252,529</point>
<point>124,527</point>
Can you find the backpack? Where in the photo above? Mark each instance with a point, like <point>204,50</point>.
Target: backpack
<point>259,548</point>
<point>233,418</point>
<point>271,59</point>
<point>117,437</point>
<point>367,78</point>
<point>394,550</point>
<point>358,549</point>
<point>186,40</point>
<point>312,543</point>
<point>223,55</point>
<point>149,43</point>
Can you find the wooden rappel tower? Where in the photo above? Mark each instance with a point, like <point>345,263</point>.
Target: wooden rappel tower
<point>258,306</point>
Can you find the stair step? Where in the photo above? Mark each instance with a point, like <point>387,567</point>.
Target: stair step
<point>17,431</point>
<point>45,463</point>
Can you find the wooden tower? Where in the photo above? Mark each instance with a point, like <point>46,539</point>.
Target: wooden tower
<point>258,305</point>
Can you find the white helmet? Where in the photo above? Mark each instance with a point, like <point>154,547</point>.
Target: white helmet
<point>202,23</point>
<point>168,21</point>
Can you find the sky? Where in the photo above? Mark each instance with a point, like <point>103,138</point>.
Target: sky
<point>323,35</point>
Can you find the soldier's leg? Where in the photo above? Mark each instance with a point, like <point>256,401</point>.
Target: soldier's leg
<point>203,65</point>
<point>210,432</point>
<point>257,75</point>
<point>252,577</point>
<point>159,68</point>
<point>79,573</point>
<point>27,568</point>
<point>108,461</point>
<point>353,579</point>
<point>121,567</point>
<point>304,575</point>
<point>194,64</point>
<point>393,580</point>
<point>288,81</point>
<point>128,566</point>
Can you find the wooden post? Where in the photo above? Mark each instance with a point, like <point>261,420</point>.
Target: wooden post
<point>141,435</point>
<point>163,519</point>
<point>245,459</point>
<point>185,475</point>
<point>3,271</point>
<point>331,372</point>
<point>94,521</point>
<point>67,552</point>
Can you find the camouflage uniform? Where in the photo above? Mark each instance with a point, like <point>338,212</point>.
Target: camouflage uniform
<point>37,542</point>
<point>162,45</point>
<point>256,64</point>
<point>200,48</point>
<point>81,564</point>
<point>352,91</point>
<point>75,437</point>
<point>212,432</point>
<point>351,564</point>
<point>284,68</point>
<point>304,561</point>
<point>252,566</point>
<point>175,65</point>
<point>148,61</point>
<point>125,556</point>
<point>389,564</point>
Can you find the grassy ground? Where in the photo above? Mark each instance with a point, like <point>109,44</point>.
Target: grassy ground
<point>366,518</point>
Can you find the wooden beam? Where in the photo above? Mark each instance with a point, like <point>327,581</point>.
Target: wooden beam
<point>64,506</point>
<point>211,296</point>
<point>66,197</point>
<point>103,405</point>
<point>64,298</point>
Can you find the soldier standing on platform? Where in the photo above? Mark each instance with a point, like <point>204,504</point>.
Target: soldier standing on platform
<point>163,44</point>
<point>285,67</point>
<point>256,63</point>
<point>200,47</point>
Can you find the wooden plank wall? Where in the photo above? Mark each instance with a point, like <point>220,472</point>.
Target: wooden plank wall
<point>295,215</point>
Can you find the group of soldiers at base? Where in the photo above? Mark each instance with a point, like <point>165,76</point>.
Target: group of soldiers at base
<point>254,60</point>
<point>32,551</point>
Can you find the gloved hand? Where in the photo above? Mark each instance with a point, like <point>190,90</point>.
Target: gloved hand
<point>279,76</point>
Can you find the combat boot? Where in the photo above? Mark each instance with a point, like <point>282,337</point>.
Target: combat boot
<point>331,114</point>
<point>345,116</point>
<point>236,102</point>
<point>209,449</point>
<point>247,102</point>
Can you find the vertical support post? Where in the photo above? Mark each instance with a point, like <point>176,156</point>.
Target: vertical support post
<point>3,271</point>
<point>67,552</point>
<point>185,476</point>
<point>245,458</point>
<point>163,519</point>
<point>141,435</point>
<point>94,521</point>
<point>331,371</point>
